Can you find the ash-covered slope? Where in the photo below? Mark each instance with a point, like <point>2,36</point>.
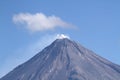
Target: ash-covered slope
<point>65,60</point>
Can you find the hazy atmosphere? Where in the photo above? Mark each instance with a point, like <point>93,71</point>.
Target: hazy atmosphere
<point>27,26</point>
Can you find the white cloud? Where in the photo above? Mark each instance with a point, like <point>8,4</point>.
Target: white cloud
<point>62,36</point>
<point>39,21</point>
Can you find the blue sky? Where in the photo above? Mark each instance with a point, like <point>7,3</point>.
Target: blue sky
<point>95,24</point>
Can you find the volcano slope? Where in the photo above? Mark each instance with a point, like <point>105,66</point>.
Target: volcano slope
<point>65,59</point>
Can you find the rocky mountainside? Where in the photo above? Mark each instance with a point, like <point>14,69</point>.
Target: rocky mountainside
<point>65,59</point>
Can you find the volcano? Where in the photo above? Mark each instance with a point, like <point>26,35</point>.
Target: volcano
<point>65,59</point>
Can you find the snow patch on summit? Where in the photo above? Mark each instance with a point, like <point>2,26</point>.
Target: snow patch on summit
<point>62,36</point>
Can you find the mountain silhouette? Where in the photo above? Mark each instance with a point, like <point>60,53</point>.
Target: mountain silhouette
<point>65,59</point>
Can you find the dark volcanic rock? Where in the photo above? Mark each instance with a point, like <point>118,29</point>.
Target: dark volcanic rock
<point>65,60</point>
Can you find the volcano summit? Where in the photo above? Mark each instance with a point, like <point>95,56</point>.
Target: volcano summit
<point>65,59</point>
